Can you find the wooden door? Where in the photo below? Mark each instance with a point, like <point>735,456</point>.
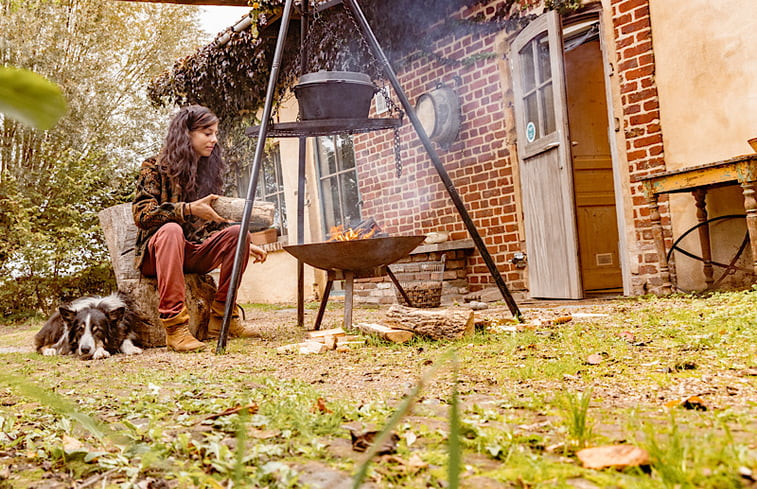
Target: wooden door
<point>596,219</point>
<point>544,154</point>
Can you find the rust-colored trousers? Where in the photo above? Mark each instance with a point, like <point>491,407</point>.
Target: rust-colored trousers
<point>170,256</point>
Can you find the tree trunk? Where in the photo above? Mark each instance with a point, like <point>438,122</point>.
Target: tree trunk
<point>438,324</point>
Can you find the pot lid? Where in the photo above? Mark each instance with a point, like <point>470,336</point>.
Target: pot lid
<point>336,76</point>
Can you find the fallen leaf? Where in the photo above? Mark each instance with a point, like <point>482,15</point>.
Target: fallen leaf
<point>409,437</point>
<point>362,441</point>
<point>71,445</point>
<point>594,359</point>
<point>251,408</point>
<point>320,407</point>
<point>411,466</point>
<point>615,456</point>
<point>263,434</point>
<point>694,402</point>
<point>627,335</point>
<point>562,320</point>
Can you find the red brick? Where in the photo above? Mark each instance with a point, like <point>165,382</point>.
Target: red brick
<point>639,72</point>
<point>647,141</point>
<point>635,26</point>
<point>629,5</point>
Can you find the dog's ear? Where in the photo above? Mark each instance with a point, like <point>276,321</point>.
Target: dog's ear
<point>67,314</point>
<point>116,314</point>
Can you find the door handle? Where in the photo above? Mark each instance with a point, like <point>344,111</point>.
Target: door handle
<point>551,145</point>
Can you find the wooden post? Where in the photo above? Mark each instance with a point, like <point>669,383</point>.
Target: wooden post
<point>750,206</point>
<point>659,241</point>
<point>700,196</point>
<point>349,283</point>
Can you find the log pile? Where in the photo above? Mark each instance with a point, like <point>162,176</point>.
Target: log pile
<point>322,341</point>
<point>423,294</point>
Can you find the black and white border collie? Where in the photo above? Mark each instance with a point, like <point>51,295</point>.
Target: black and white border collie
<point>92,327</point>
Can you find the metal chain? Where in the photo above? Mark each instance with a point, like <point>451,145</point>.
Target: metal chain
<point>394,109</point>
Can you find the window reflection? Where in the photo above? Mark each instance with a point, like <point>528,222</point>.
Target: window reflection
<point>340,196</point>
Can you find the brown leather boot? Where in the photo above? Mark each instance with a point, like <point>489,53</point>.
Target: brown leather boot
<point>178,337</point>
<point>236,328</point>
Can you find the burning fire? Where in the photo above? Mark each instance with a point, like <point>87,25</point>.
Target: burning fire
<point>337,233</point>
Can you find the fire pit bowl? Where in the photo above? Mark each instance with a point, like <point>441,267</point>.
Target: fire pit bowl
<point>358,254</point>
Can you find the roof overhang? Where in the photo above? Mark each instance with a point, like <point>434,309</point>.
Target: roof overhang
<point>224,3</point>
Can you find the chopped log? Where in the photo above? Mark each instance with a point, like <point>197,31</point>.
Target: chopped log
<point>200,290</point>
<point>438,324</point>
<point>305,348</point>
<point>232,208</point>
<point>384,332</point>
<point>326,332</point>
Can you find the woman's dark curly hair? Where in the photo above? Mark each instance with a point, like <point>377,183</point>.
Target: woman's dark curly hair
<point>197,176</point>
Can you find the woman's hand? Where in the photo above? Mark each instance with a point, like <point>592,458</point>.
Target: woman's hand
<point>258,253</point>
<point>203,208</point>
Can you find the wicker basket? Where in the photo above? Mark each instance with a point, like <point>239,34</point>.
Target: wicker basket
<point>422,294</point>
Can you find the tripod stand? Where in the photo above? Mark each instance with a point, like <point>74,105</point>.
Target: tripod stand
<point>263,132</point>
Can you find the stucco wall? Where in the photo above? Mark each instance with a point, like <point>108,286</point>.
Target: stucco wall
<point>275,281</point>
<point>706,76</point>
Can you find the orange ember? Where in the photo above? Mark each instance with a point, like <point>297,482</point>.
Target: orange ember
<point>338,233</point>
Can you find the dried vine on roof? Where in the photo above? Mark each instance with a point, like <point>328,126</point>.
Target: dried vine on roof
<point>232,78</point>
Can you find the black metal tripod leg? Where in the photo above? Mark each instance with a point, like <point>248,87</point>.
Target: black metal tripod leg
<point>322,307</point>
<point>449,186</point>
<point>236,271</point>
<point>399,287</point>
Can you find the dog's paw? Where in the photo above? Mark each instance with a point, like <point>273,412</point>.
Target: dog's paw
<point>129,348</point>
<point>100,353</point>
<point>49,352</point>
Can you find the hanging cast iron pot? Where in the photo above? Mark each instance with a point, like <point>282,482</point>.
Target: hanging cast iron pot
<point>334,95</point>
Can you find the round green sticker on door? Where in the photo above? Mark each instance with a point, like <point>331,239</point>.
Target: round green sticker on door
<point>530,132</point>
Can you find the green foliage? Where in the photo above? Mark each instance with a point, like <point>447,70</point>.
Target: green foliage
<point>30,98</point>
<point>54,249</point>
<point>575,411</point>
<point>563,7</point>
<point>53,182</point>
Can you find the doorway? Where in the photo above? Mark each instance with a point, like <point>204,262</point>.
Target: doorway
<point>566,164</point>
<point>591,158</point>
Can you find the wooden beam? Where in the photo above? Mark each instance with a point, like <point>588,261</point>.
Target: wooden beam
<point>225,3</point>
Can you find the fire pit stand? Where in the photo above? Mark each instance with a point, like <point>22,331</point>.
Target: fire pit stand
<point>349,277</point>
<point>348,260</point>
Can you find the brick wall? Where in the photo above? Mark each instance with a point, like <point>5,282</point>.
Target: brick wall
<point>635,66</point>
<point>478,162</point>
<point>420,270</point>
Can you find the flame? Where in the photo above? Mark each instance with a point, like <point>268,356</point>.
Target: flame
<point>337,233</point>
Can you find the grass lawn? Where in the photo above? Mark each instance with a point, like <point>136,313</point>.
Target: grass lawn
<point>676,377</point>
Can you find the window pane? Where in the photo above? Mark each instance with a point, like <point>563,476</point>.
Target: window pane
<point>279,215</point>
<point>326,155</point>
<point>330,192</point>
<point>545,68</point>
<point>269,175</point>
<point>346,152</point>
<point>548,108</point>
<point>350,199</point>
<point>532,115</point>
<point>527,66</point>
